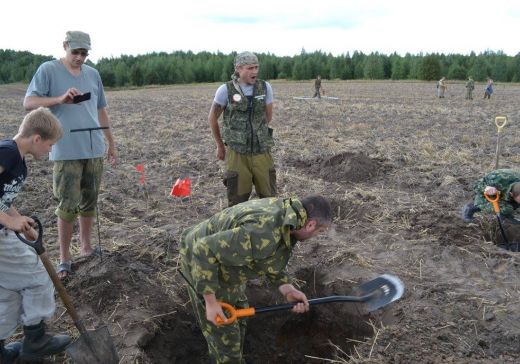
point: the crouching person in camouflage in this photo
(505, 181)
(246, 141)
(246, 241)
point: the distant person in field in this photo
(244, 242)
(470, 86)
(442, 87)
(78, 156)
(489, 89)
(26, 290)
(246, 139)
(506, 182)
(317, 87)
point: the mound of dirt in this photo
(342, 167)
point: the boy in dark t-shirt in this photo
(26, 291)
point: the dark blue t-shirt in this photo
(14, 174)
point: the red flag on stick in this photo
(140, 168)
(181, 188)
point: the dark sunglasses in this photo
(75, 52)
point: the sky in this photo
(280, 27)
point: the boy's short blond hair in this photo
(41, 122)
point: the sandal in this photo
(64, 267)
(96, 252)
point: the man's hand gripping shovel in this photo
(374, 294)
(92, 346)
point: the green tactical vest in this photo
(245, 128)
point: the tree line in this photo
(188, 67)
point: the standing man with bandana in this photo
(246, 139)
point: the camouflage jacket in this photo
(317, 83)
(470, 85)
(502, 180)
(245, 128)
(242, 242)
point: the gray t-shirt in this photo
(221, 96)
(52, 79)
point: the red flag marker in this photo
(140, 168)
(181, 188)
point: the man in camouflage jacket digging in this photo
(243, 242)
(246, 141)
(507, 182)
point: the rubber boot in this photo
(37, 344)
(468, 211)
(9, 353)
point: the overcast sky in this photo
(276, 26)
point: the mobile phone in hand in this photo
(80, 98)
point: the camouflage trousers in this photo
(76, 186)
(245, 170)
(317, 92)
(469, 94)
(226, 342)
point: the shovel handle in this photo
(500, 122)
(62, 292)
(40, 250)
(234, 313)
(494, 201)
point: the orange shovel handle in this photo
(234, 313)
(494, 201)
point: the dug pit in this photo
(329, 330)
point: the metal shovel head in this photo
(94, 347)
(381, 291)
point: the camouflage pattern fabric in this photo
(245, 128)
(470, 86)
(220, 254)
(76, 186)
(502, 180)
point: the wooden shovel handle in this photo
(500, 122)
(67, 302)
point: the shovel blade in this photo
(94, 347)
(381, 291)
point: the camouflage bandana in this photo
(246, 58)
(296, 215)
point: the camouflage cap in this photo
(245, 58)
(77, 40)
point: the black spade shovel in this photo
(92, 346)
(374, 294)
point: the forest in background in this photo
(187, 67)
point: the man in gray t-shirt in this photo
(74, 93)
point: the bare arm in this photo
(34, 102)
(269, 113)
(104, 121)
(214, 113)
